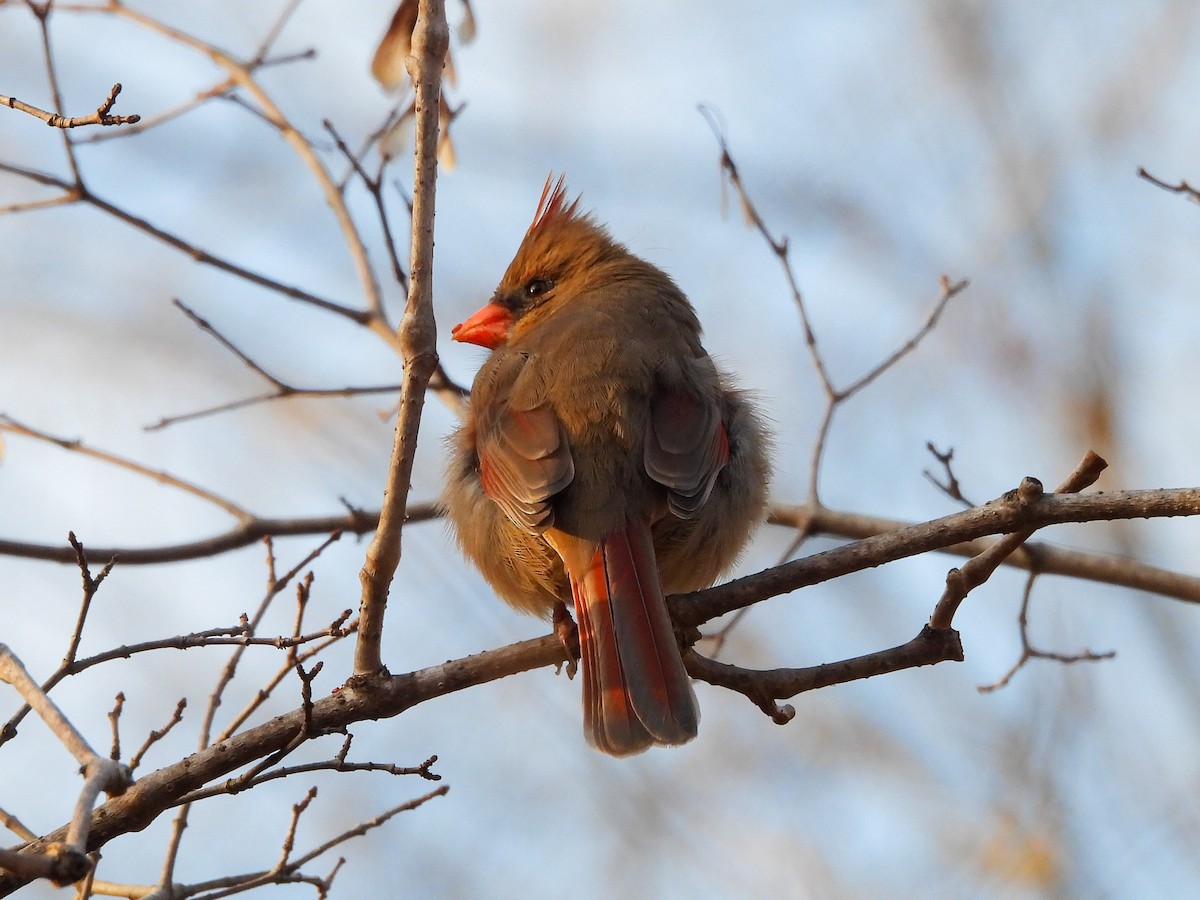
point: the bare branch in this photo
(360, 830)
(834, 396)
(114, 717)
(951, 488)
(100, 117)
(100, 775)
(239, 636)
(243, 74)
(336, 633)
(273, 33)
(250, 532)
(374, 186)
(961, 582)
(16, 826)
(948, 292)
(418, 337)
(1048, 559)
(78, 193)
(763, 687)
(90, 586)
(289, 840)
(289, 873)
(1000, 516)
(56, 862)
(148, 122)
(158, 734)
(424, 770)
(75, 445)
(1182, 188)
(282, 390)
(1028, 651)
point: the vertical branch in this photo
(42, 12)
(417, 336)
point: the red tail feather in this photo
(636, 692)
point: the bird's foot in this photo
(567, 633)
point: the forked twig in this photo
(102, 115)
(1028, 651)
(960, 582)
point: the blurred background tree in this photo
(892, 144)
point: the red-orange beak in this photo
(488, 328)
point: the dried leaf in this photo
(466, 28)
(388, 64)
(447, 158)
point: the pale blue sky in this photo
(893, 143)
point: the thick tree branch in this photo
(1046, 558)
(998, 517)
(379, 699)
(243, 535)
(387, 697)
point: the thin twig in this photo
(1028, 651)
(168, 115)
(114, 718)
(158, 734)
(101, 116)
(42, 13)
(75, 445)
(764, 687)
(948, 292)
(835, 397)
(90, 586)
(374, 186)
(329, 765)
(63, 200)
(234, 636)
(273, 33)
(336, 633)
(1181, 188)
(997, 517)
(78, 193)
(244, 75)
(100, 775)
(289, 873)
(16, 826)
(951, 488)
(282, 390)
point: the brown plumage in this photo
(605, 459)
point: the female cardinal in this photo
(605, 455)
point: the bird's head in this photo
(565, 252)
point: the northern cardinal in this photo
(604, 457)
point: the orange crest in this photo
(553, 205)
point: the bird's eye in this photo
(535, 287)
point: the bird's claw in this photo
(567, 633)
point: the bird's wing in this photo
(686, 445)
(524, 460)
